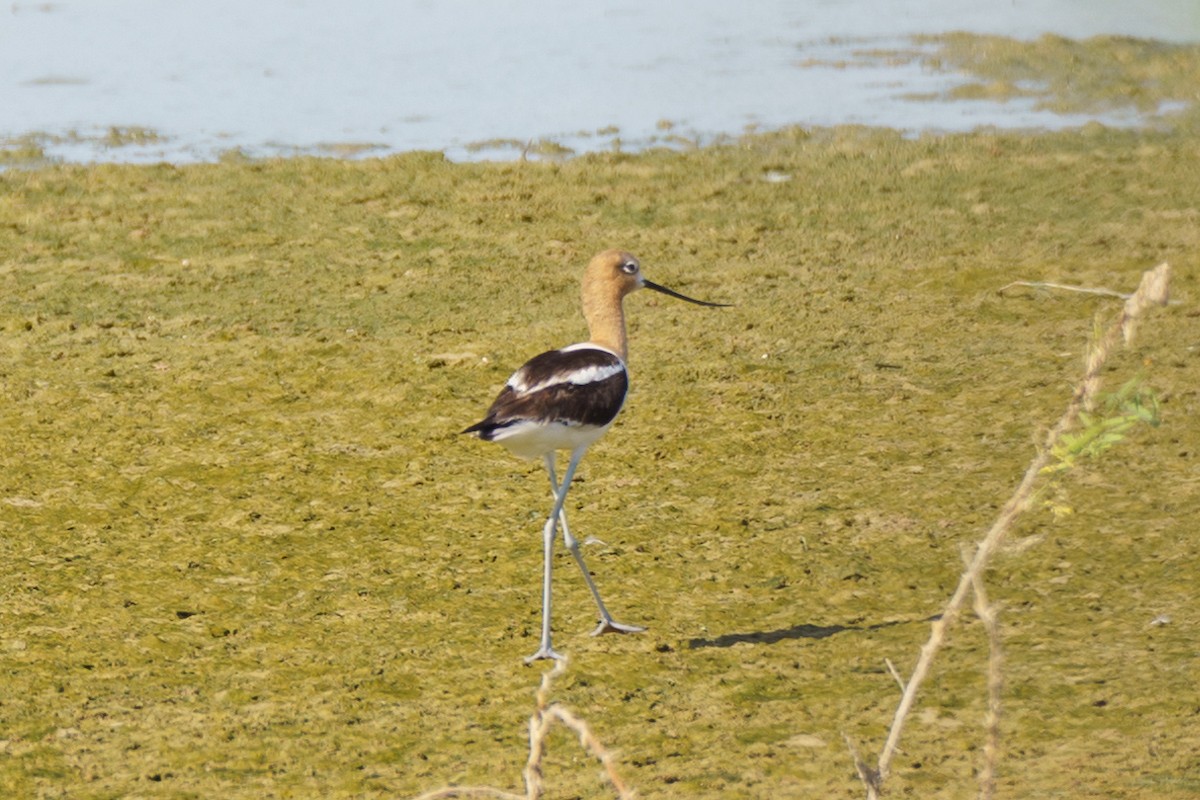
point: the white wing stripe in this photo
(579, 377)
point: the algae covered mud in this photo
(247, 554)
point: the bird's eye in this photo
(629, 267)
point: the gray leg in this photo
(607, 623)
(560, 497)
(545, 650)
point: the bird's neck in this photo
(606, 326)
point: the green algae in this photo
(1096, 75)
(246, 552)
(24, 151)
(1116, 77)
(29, 150)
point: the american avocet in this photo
(565, 400)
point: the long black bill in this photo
(673, 293)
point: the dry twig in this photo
(544, 716)
(995, 687)
(539, 727)
(866, 774)
(1063, 287)
(469, 791)
(1151, 291)
(895, 673)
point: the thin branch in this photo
(895, 673)
(469, 791)
(995, 687)
(592, 744)
(1151, 291)
(1063, 287)
(540, 722)
(869, 777)
(539, 726)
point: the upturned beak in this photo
(673, 293)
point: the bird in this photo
(568, 398)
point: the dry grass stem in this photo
(866, 774)
(995, 686)
(1063, 287)
(540, 723)
(1152, 290)
(539, 727)
(895, 673)
(470, 791)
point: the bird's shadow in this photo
(802, 631)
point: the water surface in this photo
(144, 80)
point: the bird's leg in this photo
(545, 650)
(562, 514)
(607, 623)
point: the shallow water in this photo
(140, 80)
